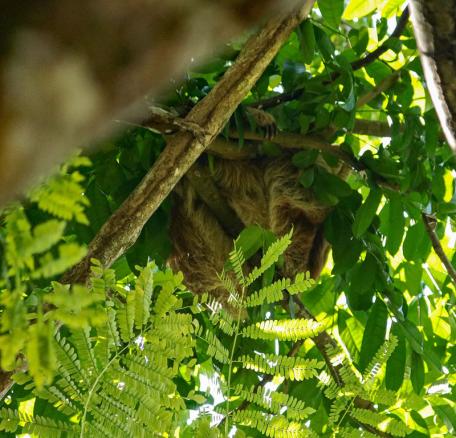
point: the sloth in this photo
(261, 191)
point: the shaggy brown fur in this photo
(264, 192)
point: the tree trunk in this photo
(434, 23)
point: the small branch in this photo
(371, 57)
(384, 85)
(429, 223)
(374, 128)
(298, 141)
(230, 150)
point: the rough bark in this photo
(434, 23)
(67, 68)
(183, 148)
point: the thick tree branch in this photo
(211, 114)
(434, 24)
(356, 65)
(429, 223)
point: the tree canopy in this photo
(99, 337)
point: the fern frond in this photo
(382, 396)
(224, 321)
(328, 384)
(63, 196)
(229, 285)
(237, 260)
(381, 422)
(350, 432)
(380, 358)
(126, 317)
(275, 402)
(292, 368)
(338, 406)
(273, 253)
(276, 426)
(268, 294)
(215, 348)
(144, 287)
(83, 345)
(36, 425)
(284, 330)
(302, 283)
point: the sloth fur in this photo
(263, 191)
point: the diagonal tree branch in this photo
(429, 223)
(124, 226)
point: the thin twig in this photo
(429, 223)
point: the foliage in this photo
(384, 294)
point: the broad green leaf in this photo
(366, 213)
(396, 223)
(417, 243)
(328, 183)
(304, 159)
(395, 367)
(360, 291)
(413, 335)
(250, 240)
(417, 372)
(390, 7)
(324, 44)
(446, 413)
(307, 41)
(351, 332)
(413, 273)
(360, 8)
(331, 10)
(307, 177)
(374, 334)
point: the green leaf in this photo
(324, 44)
(417, 372)
(366, 213)
(417, 243)
(250, 240)
(360, 291)
(396, 224)
(328, 183)
(413, 273)
(360, 8)
(304, 159)
(413, 335)
(331, 10)
(374, 334)
(307, 42)
(390, 7)
(307, 177)
(395, 367)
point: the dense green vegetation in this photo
(367, 349)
